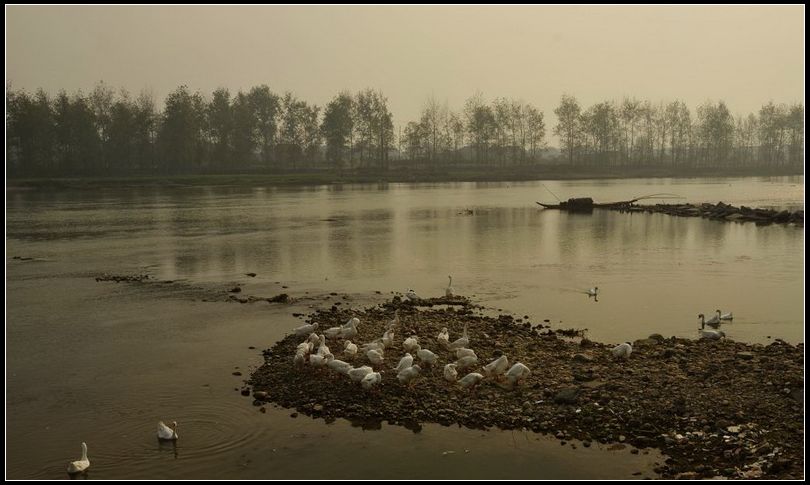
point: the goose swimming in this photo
(81, 465)
(726, 316)
(449, 292)
(593, 291)
(709, 334)
(166, 433)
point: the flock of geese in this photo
(164, 433)
(315, 352)
(715, 321)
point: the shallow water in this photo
(103, 362)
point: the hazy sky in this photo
(744, 55)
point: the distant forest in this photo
(109, 133)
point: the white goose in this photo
(318, 360)
(166, 433)
(370, 380)
(305, 329)
(404, 363)
(375, 357)
(709, 334)
(388, 338)
(426, 356)
(712, 321)
(466, 362)
(497, 366)
(338, 366)
(450, 373)
(470, 380)
(314, 340)
(406, 376)
(353, 322)
(412, 295)
(517, 372)
(358, 373)
(622, 351)
(333, 332)
(593, 291)
(81, 465)
(450, 292)
(375, 345)
(349, 348)
(463, 341)
(726, 316)
(349, 330)
(464, 353)
(444, 338)
(411, 343)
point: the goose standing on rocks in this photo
(622, 351)
(81, 465)
(461, 342)
(349, 348)
(407, 376)
(517, 372)
(370, 380)
(470, 380)
(450, 373)
(497, 366)
(426, 356)
(404, 363)
(412, 295)
(450, 292)
(338, 366)
(305, 329)
(411, 343)
(444, 338)
(375, 357)
(166, 433)
(358, 373)
(388, 338)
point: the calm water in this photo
(103, 362)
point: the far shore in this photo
(524, 174)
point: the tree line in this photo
(636, 133)
(110, 133)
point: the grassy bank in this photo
(393, 176)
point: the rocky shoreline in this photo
(716, 408)
(722, 212)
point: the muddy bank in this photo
(721, 211)
(185, 290)
(716, 408)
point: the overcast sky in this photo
(744, 55)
